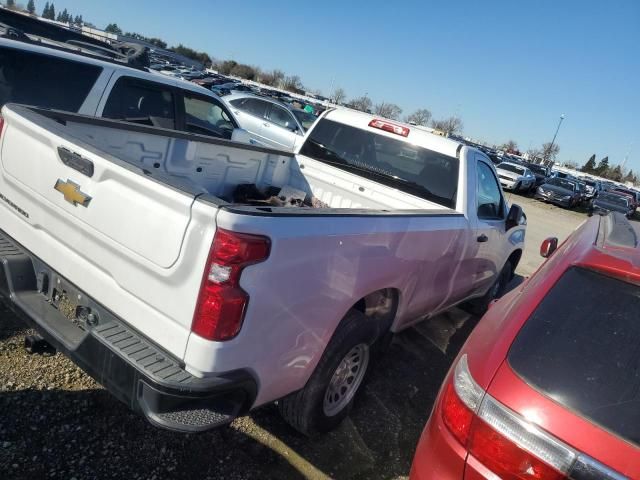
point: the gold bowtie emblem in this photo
(72, 193)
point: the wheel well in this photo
(380, 305)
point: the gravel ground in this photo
(58, 423)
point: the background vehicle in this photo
(581, 188)
(201, 302)
(545, 386)
(45, 77)
(559, 191)
(610, 202)
(272, 123)
(231, 87)
(594, 187)
(515, 177)
(627, 193)
(541, 173)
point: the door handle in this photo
(483, 238)
(236, 112)
(265, 124)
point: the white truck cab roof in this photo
(394, 129)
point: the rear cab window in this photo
(44, 81)
(581, 348)
(402, 165)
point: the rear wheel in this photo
(480, 305)
(328, 396)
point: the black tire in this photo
(304, 410)
(479, 306)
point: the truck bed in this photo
(204, 166)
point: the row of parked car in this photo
(565, 190)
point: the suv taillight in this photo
(503, 441)
(221, 302)
(1, 125)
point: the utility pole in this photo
(554, 137)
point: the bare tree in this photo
(338, 96)
(419, 117)
(388, 110)
(449, 126)
(364, 103)
(550, 152)
(293, 84)
(273, 78)
(534, 155)
(509, 147)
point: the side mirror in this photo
(514, 217)
(548, 246)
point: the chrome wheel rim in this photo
(346, 379)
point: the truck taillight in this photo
(499, 438)
(390, 127)
(221, 302)
(1, 125)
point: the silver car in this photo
(515, 177)
(271, 123)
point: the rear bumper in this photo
(137, 372)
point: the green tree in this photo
(113, 28)
(45, 11)
(201, 57)
(52, 12)
(31, 7)
(630, 177)
(590, 165)
(11, 4)
(615, 173)
(245, 71)
(602, 170)
(419, 117)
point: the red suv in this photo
(548, 384)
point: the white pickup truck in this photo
(127, 247)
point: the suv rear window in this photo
(139, 101)
(581, 348)
(44, 81)
(402, 165)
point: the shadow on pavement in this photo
(65, 433)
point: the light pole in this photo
(555, 135)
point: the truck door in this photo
(490, 211)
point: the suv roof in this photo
(146, 74)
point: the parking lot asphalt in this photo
(543, 220)
(56, 422)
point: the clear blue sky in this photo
(508, 68)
